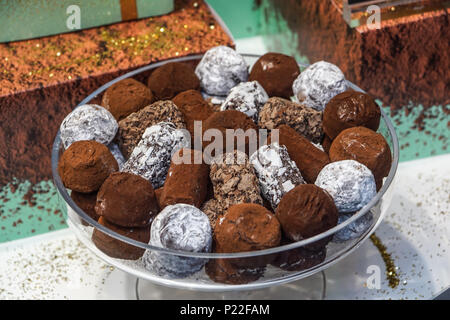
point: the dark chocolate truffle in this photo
(350, 109)
(125, 97)
(276, 73)
(172, 78)
(365, 146)
(326, 143)
(223, 271)
(306, 211)
(86, 202)
(119, 249)
(85, 165)
(127, 200)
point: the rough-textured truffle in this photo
(355, 229)
(86, 202)
(223, 271)
(299, 258)
(125, 97)
(172, 78)
(276, 72)
(85, 165)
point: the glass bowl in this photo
(244, 270)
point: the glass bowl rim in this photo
(212, 255)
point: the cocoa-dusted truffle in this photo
(86, 202)
(276, 72)
(172, 78)
(299, 258)
(187, 179)
(350, 109)
(132, 127)
(85, 165)
(326, 143)
(306, 211)
(119, 249)
(308, 158)
(306, 121)
(125, 97)
(158, 193)
(365, 146)
(127, 200)
(223, 271)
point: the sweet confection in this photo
(220, 69)
(354, 229)
(132, 127)
(318, 83)
(178, 227)
(299, 258)
(119, 249)
(276, 72)
(127, 200)
(247, 97)
(277, 173)
(115, 151)
(125, 97)
(365, 146)
(86, 202)
(350, 109)
(88, 122)
(350, 184)
(213, 211)
(234, 181)
(231, 119)
(85, 165)
(187, 179)
(172, 78)
(223, 271)
(309, 158)
(326, 144)
(158, 193)
(151, 157)
(306, 211)
(306, 121)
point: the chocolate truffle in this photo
(151, 157)
(85, 165)
(86, 202)
(158, 193)
(355, 229)
(223, 271)
(179, 227)
(306, 211)
(220, 69)
(298, 259)
(326, 143)
(350, 109)
(306, 121)
(187, 179)
(365, 146)
(234, 120)
(350, 184)
(308, 158)
(115, 151)
(127, 200)
(247, 97)
(132, 127)
(213, 211)
(125, 97)
(277, 173)
(276, 72)
(88, 122)
(234, 180)
(119, 249)
(172, 78)
(318, 83)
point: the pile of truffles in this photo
(138, 165)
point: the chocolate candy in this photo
(350, 184)
(306, 121)
(125, 97)
(151, 157)
(127, 200)
(276, 72)
(220, 69)
(115, 151)
(318, 83)
(179, 227)
(85, 165)
(86, 202)
(223, 271)
(365, 146)
(355, 229)
(350, 109)
(213, 211)
(247, 97)
(299, 258)
(88, 122)
(277, 173)
(132, 127)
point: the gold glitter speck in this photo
(391, 272)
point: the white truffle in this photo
(355, 229)
(88, 122)
(318, 84)
(350, 184)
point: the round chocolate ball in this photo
(276, 73)
(172, 78)
(127, 200)
(86, 202)
(350, 109)
(224, 271)
(85, 165)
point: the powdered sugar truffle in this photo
(355, 229)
